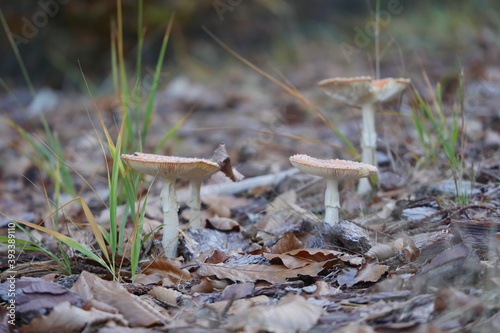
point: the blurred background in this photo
(323, 38)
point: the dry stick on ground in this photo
(244, 185)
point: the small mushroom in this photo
(366, 93)
(171, 168)
(332, 171)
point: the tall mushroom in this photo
(171, 168)
(332, 171)
(366, 93)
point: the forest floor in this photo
(418, 254)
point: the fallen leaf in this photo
(346, 276)
(223, 224)
(221, 157)
(287, 260)
(216, 257)
(253, 272)
(315, 254)
(36, 296)
(239, 304)
(292, 314)
(381, 252)
(166, 295)
(111, 293)
(237, 291)
(324, 289)
(370, 272)
(68, 318)
(205, 286)
(287, 243)
(168, 268)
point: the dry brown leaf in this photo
(205, 286)
(315, 254)
(154, 278)
(302, 257)
(68, 318)
(134, 310)
(168, 296)
(370, 272)
(381, 252)
(353, 260)
(168, 268)
(216, 257)
(237, 290)
(221, 157)
(253, 272)
(292, 314)
(324, 289)
(223, 223)
(287, 260)
(287, 243)
(410, 251)
(239, 304)
(38, 295)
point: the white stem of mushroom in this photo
(194, 203)
(368, 144)
(170, 208)
(332, 201)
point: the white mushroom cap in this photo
(351, 91)
(361, 90)
(171, 166)
(388, 89)
(337, 169)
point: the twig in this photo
(244, 185)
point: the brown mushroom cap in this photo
(171, 166)
(337, 169)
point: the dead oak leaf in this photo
(302, 257)
(168, 296)
(287, 243)
(65, 317)
(111, 294)
(287, 260)
(223, 224)
(222, 158)
(315, 254)
(167, 268)
(370, 272)
(255, 272)
(292, 314)
(35, 295)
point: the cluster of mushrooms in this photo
(363, 92)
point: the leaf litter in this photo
(413, 261)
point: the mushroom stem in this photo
(369, 134)
(170, 208)
(368, 144)
(332, 202)
(194, 203)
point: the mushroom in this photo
(332, 171)
(364, 92)
(171, 168)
